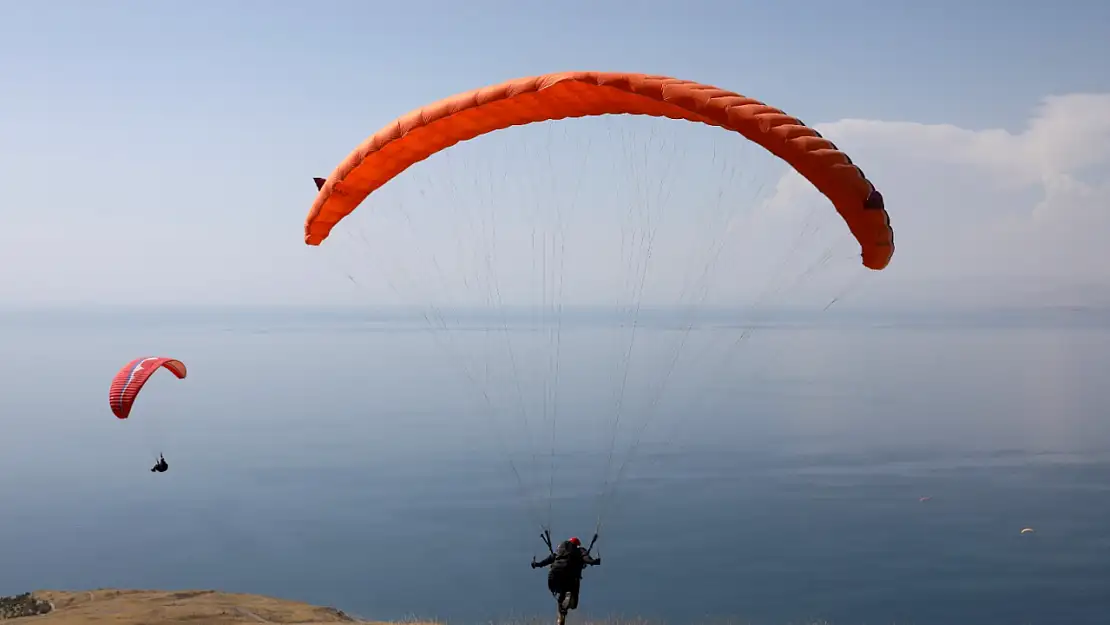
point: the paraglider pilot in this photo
(161, 465)
(565, 574)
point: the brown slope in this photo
(158, 607)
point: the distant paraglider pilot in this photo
(565, 575)
(130, 379)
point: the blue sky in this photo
(162, 151)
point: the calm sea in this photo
(860, 470)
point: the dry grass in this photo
(210, 607)
(197, 607)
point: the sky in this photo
(162, 153)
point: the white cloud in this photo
(1009, 215)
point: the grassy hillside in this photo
(156, 607)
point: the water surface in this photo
(342, 459)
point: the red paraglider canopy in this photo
(131, 378)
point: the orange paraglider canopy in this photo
(425, 131)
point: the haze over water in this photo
(336, 459)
